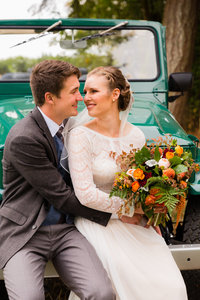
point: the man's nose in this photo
(79, 97)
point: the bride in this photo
(136, 258)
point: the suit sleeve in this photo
(30, 158)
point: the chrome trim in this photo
(187, 256)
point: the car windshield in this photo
(131, 50)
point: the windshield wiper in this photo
(43, 33)
(81, 43)
(102, 33)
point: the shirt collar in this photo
(53, 126)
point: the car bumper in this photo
(187, 256)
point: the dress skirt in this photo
(137, 260)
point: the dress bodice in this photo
(91, 166)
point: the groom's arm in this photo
(30, 159)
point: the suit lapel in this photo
(43, 126)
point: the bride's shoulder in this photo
(78, 130)
(135, 131)
(81, 132)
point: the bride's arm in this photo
(80, 155)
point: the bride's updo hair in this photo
(115, 79)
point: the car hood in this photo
(156, 121)
(153, 118)
(11, 111)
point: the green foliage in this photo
(16, 64)
(187, 156)
(123, 194)
(117, 9)
(194, 99)
(142, 156)
(180, 169)
(155, 180)
(157, 154)
(175, 161)
(23, 64)
(142, 10)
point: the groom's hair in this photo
(49, 76)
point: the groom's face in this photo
(67, 103)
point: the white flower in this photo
(151, 163)
(146, 189)
(130, 172)
(164, 162)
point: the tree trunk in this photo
(180, 18)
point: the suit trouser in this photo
(74, 259)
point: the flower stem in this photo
(156, 222)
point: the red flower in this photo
(144, 181)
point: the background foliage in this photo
(157, 10)
(154, 11)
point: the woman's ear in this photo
(115, 94)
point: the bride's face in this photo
(98, 97)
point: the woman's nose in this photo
(85, 97)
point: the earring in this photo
(113, 100)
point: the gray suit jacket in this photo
(31, 184)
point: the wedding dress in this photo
(136, 259)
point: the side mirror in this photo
(179, 82)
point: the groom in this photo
(36, 215)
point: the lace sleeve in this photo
(80, 155)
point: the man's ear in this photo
(49, 98)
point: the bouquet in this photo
(154, 177)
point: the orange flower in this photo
(150, 199)
(169, 173)
(179, 150)
(183, 184)
(154, 191)
(169, 155)
(181, 175)
(135, 186)
(138, 174)
(180, 207)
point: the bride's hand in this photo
(135, 219)
(138, 210)
(156, 228)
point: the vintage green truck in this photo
(138, 49)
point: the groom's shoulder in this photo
(24, 127)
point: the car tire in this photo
(191, 226)
(191, 235)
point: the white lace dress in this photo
(137, 259)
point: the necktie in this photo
(59, 134)
(59, 143)
(55, 217)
